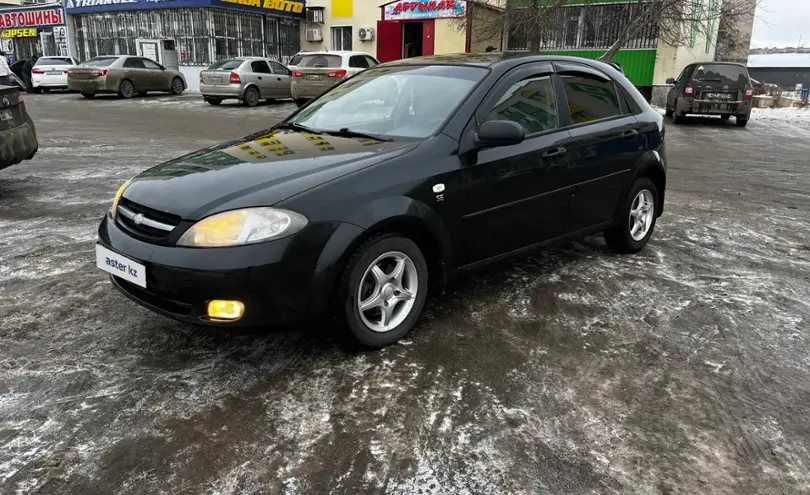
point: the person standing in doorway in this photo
(5, 70)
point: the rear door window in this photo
(279, 69)
(260, 67)
(149, 64)
(133, 63)
(320, 61)
(590, 98)
(358, 62)
(721, 73)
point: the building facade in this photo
(201, 31)
(734, 32)
(33, 30)
(589, 30)
(397, 29)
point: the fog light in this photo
(225, 310)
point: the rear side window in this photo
(133, 63)
(100, 62)
(260, 67)
(726, 74)
(590, 98)
(358, 61)
(316, 61)
(371, 61)
(227, 64)
(54, 61)
(531, 103)
(296, 59)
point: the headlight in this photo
(117, 198)
(239, 227)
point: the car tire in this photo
(126, 89)
(678, 118)
(300, 102)
(88, 95)
(638, 210)
(214, 101)
(725, 117)
(37, 91)
(177, 86)
(251, 97)
(742, 121)
(46, 90)
(668, 112)
(383, 289)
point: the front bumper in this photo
(221, 90)
(17, 144)
(274, 279)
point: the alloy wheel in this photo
(642, 211)
(177, 86)
(387, 291)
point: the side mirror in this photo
(671, 81)
(494, 133)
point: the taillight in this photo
(37, 71)
(749, 92)
(99, 72)
(688, 90)
(297, 74)
(337, 73)
(69, 74)
(20, 100)
(235, 79)
(201, 81)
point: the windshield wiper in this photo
(296, 127)
(346, 132)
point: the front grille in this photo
(158, 300)
(148, 222)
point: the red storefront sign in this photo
(32, 18)
(424, 6)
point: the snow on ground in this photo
(797, 115)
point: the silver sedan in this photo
(249, 79)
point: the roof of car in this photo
(335, 52)
(717, 63)
(491, 59)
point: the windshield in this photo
(313, 61)
(409, 101)
(54, 61)
(99, 62)
(227, 64)
(727, 74)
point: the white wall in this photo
(192, 75)
(365, 13)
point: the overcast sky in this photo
(780, 23)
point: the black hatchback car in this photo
(381, 190)
(18, 136)
(711, 88)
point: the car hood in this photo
(259, 170)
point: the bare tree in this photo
(536, 25)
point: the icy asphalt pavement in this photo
(684, 369)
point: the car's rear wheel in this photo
(742, 121)
(300, 102)
(214, 101)
(88, 95)
(668, 112)
(46, 90)
(637, 216)
(126, 89)
(251, 97)
(37, 91)
(177, 86)
(383, 290)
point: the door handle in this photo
(260, 78)
(553, 153)
(632, 134)
(278, 79)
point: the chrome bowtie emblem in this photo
(138, 219)
(6, 102)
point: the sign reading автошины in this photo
(32, 18)
(433, 9)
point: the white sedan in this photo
(51, 73)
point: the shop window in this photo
(282, 38)
(590, 98)
(531, 103)
(341, 38)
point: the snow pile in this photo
(783, 115)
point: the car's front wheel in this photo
(383, 290)
(177, 86)
(637, 216)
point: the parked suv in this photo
(318, 71)
(711, 88)
(18, 137)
